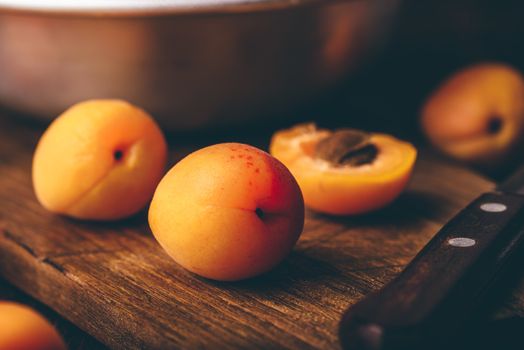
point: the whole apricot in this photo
(227, 212)
(22, 328)
(100, 159)
(477, 115)
(346, 171)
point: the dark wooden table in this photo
(115, 282)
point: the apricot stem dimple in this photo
(118, 155)
(494, 125)
(347, 147)
(259, 213)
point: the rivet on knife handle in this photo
(439, 289)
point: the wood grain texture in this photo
(114, 281)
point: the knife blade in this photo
(438, 291)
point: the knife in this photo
(437, 292)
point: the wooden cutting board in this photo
(114, 281)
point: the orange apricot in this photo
(477, 115)
(22, 328)
(227, 212)
(100, 159)
(347, 171)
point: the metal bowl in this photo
(189, 62)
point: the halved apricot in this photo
(345, 171)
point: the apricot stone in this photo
(100, 159)
(227, 212)
(22, 328)
(477, 115)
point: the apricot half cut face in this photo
(347, 171)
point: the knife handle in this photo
(437, 291)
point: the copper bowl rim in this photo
(144, 8)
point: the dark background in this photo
(429, 41)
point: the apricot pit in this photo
(346, 147)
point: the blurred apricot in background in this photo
(477, 115)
